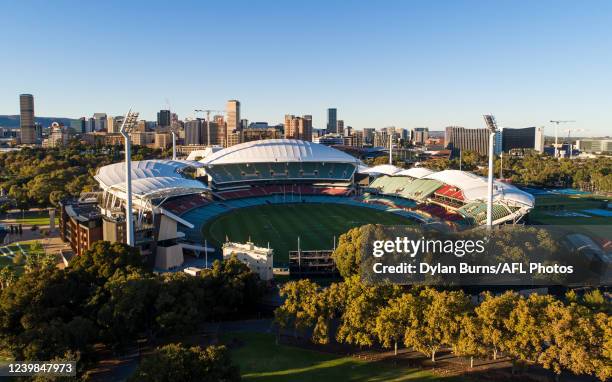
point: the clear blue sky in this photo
(381, 63)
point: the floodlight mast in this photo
(492, 126)
(126, 127)
(173, 131)
(557, 135)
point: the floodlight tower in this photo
(557, 135)
(126, 127)
(492, 126)
(173, 130)
(208, 111)
(391, 148)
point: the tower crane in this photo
(569, 142)
(557, 123)
(208, 111)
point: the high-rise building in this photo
(298, 127)
(368, 136)
(460, 138)
(163, 140)
(340, 127)
(233, 116)
(594, 146)
(111, 127)
(244, 124)
(164, 118)
(193, 132)
(221, 131)
(332, 123)
(527, 138)
(79, 125)
(26, 120)
(419, 135)
(100, 121)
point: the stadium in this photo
(288, 193)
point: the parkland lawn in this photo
(281, 225)
(260, 359)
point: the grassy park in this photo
(261, 359)
(280, 225)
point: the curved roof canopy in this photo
(386, 169)
(150, 179)
(415, 172)
(475, 187)
(278, 150)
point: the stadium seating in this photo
(477, 212)
(183, 204)
(233, 173)
(420, 189)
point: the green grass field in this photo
(39, 218)
(548, 213)
(260, 359)
(280, 225)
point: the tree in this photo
(392, 320)
(492, 314)
(298, 307)
(361, 306)
(569, 334)
(525, 325)
(470, 340)
(175, 362)
(7, 277)
(349, 252)
(435, 320)
(128, 308)
(104, 258)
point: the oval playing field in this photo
(280, 225)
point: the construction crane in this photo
(569, 142)
(208, 111)
(557, 123)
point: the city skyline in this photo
(401, 64)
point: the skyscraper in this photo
(233, 116)
(340, 127)
(26, 120)
(193, 132)
(100, 121)
(163, 118)
(332, 121)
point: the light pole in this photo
(126, 127)
(492, 126)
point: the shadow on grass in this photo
(260, 359)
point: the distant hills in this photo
(13, 121)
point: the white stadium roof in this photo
(204, 153)
(278, 150)
(415, 172)
(386, 169)
(150, 179)
(474, 187)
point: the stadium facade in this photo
(172, 200)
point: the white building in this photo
(258, 259)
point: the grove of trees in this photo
(535, 169)
(40, 177)
(572, 335)
(175, 362)
(108, 297)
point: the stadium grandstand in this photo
(462, 195)
(275, 161)
(174, 200)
